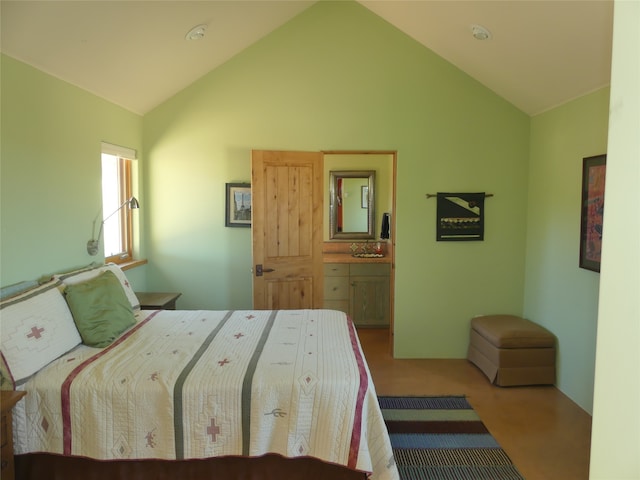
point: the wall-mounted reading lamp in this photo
(94, 243)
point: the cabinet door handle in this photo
(260, 270)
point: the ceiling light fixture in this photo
(480, 33)
(196, 33)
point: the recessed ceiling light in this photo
(196, 33)
(480, 33)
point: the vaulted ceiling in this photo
(541, 53)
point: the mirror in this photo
(352, 204)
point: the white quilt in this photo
(197, 384)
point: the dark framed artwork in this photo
(593, 177)
(238, 205)
(460, 217)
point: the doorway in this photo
(290, 224)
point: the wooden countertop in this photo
(348, 258)
(341, 252)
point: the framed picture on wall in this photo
(593, 176)
(460, 217)
(238, 205)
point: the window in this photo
(116, 191)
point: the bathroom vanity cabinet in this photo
(361, 290)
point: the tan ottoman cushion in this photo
(509, 331)
(512, 351)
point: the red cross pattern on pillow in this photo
(36, 332)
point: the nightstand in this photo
(157, 300)
(9, 399)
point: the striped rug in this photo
(443, 438)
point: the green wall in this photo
(51, 172)
(364, 86)
(615, 438)
(558, 294)
(337, 77)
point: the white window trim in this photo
(119, 151)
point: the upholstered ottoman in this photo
(512, 351)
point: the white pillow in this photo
(37, 327)
(89, 273)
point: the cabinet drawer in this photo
(370, 269)
(336, 288)
(336, 269)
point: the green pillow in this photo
(100, 309)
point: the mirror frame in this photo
(334, 175)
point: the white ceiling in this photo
(133, 53)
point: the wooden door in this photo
(286, 223)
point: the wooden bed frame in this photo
(233, 458)
(38, 466)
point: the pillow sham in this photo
(93, 271)
(37, 328)
(100, 309)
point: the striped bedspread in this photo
(197, 384)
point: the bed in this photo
(189, 394)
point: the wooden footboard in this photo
(267, 467)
